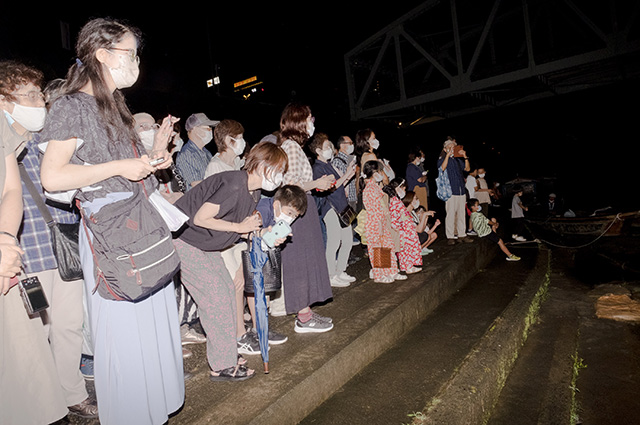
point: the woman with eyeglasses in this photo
(94, 151)
(305, 280)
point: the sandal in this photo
(413, 269)
(241, 360)
(232, 374)
(385, 279)
(400, 276)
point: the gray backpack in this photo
(132, 248)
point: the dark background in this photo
(585, 141)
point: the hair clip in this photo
(79, 63)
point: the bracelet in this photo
(2, 232)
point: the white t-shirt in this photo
(471, 186)
(217, 165)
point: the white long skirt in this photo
(138, 364)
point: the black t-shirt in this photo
(227, 189)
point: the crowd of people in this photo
(88, 156)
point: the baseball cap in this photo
(198, 120)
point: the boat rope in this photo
(616, 218)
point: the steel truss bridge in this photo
(447, 58)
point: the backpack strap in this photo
(100, 275)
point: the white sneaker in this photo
(336, 282)
(347, 278)
(426, 251)
(520, 239)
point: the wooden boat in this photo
(596, 225)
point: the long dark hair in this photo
(293, 123)
(361, 144)
(102, 33)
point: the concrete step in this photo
(541, 386)
(400, 383)
(369, 319)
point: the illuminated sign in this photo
(245, 82)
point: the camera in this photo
(33, 295)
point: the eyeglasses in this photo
(133, 55)
(147, 126)
(33, 95)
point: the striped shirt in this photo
(192, 162)
(480, 224)
(35, 236)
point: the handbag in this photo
(132, 248)
(271, 271)
(64, 236)
(346, 216)
(443, 186)
(381, 258)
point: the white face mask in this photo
(311, 128)
(375, 143)
(30, 117)
(238, 146)
(422, 159)
(377, 177)
(327, 154)
(284, 217)
(481, 175)
(479, 208)
(415, 203)
(269, 185)
(126, 74)
(206, 135)
(147, 137)
(349, 149)
(400, 193)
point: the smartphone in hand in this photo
(278, 231)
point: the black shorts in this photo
(493, 237)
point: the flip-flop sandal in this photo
(232, 374)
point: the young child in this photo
(487, 228)
(287, 203)
(426, 234)
(517, 214)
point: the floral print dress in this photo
(378, 227)
(410, 252)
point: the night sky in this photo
(297, 49)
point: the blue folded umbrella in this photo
(258, 260)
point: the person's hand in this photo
(136, 169)
(10, 259)
(249, 224)
(462, 153)
(5, 285)
(164, 133)
(325, 182)
(422, 179)
(437, 221)
(351, 170)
